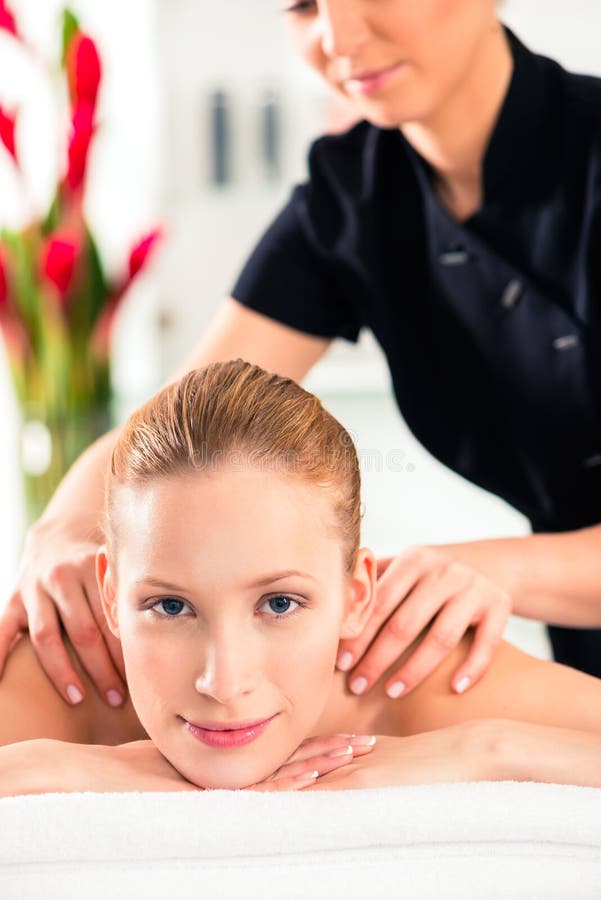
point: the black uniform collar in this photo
(517, 147)
(517, 156)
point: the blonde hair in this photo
(233, 412)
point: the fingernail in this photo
(358, 685)
(114, 697)
(395, 690)
(363, 740)
(344, 751)
(307, 776)
(345, 661)
(462, 684)
(74, 694)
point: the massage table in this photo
(468, 841)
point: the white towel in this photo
(457, 841)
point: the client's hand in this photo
(319, 755)
(412, 589)
(463, 752)
(42, 766)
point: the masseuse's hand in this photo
(412, 589)
(56, 584)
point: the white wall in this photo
(567, 30)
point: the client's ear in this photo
(362, 594)
(106, 587)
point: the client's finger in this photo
(285, 784)
(328, 761)
(315, 746)
(298, 775)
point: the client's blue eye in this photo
(280, 612)
(169, 608)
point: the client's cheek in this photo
(309, 679)
(152, 682)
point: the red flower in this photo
(79, 144)
(7, 20)
(7, 132)
(59, 257)
(105, 324)
(140, 253)
(83, 70)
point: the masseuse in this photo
(460, 221)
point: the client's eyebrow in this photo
(261, 582)
(278, 576)
(157, 582)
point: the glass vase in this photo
(49, 444)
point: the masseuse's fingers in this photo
(13, 622)
(113, 644)
(405, 625)
(83, 630)
(487, 638)
(458, 612)
(396, 577)
(412, 589)
(46, 639)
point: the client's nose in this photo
(227, 669)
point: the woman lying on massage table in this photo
(231, 570)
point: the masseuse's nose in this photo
(229, 667)
(343, 28)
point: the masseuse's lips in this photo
(372, 82)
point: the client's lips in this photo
(228, 726)
(228, 737)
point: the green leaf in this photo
(24, 249)
(70, 29)
(50, 223)
(97, 284)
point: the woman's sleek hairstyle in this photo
(237, 414)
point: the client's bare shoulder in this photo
(515, 686)
(31, 707)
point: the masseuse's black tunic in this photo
(491, 327)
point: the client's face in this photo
(229, 595)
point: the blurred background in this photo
(205, 116)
